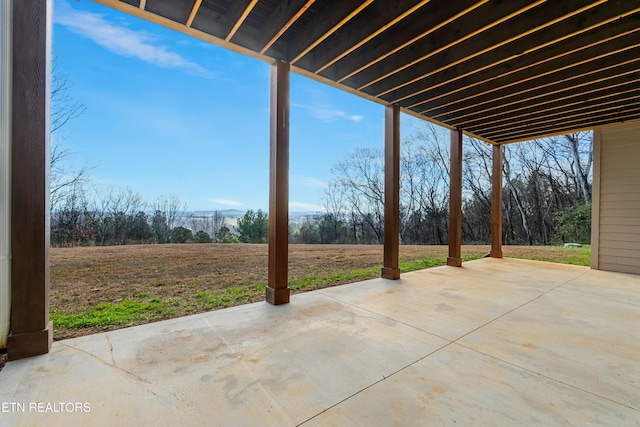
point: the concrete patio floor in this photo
(496, 342)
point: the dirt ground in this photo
(86, 276)
(82, 277)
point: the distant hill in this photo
(236, 213)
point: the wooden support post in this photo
(390, 268)
(31, 330)
(455, 200)
(496, 203)
(277, 287)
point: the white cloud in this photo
(123, 41)
(228, 202)
(328, 113)
(309, 181)
(306, 206)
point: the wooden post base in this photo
(390, 273)
(454, 262)
(30, 344)
(495, 254)
(278, 296)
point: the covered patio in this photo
(493, 341)
(496, 342)
(502, 72)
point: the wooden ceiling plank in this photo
(478, 52)
(327, 17)
(564, 131)
(506, 113)
(588, 122)
(237, 15)
(566, 84)
(616, 99)
(194, 12)
(558, 107)
(521, 61)
(527, 99)
(286, 26)
(513, 63)
(135, 11)
(591, 64)
(386, 20)
(536, 121)
(412, 27)
(430, 30)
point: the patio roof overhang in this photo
(503, 71)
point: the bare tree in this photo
(209, 224)
(64, 182)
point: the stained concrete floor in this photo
(496, 342)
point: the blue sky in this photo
(168, 114)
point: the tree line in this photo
(546, 200)
(546, 193)
(123, 217)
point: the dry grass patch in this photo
(103, 288)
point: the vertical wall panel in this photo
(616, 202)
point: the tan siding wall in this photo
(618, 245)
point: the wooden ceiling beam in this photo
(236, 16)
(589, 99)
(382, 15)
(547, 73)
(584, 123)
(494, 45)
(477, 72)
(385, 53)
(282, 18)
(510, 98)
(420, 24)
(612, 86)
(323, 26)
(532, 121)
(194, 11)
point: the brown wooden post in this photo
(31, 330)
(455, 200)
(390, 268)
(277, 286)
(496, 203)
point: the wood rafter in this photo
(556, 38)
(448, 46)
(245, 11)
(590, 61)
(468, 118)
(372, 35)
(323, 37)
(585, 122)
(193, 13)
(415, 39)
(289, 23)
(583, 112)
(487, 49)
(581, 100)
(588, 79)
(513, 66)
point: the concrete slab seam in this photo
(547, 377)
(384, 378)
